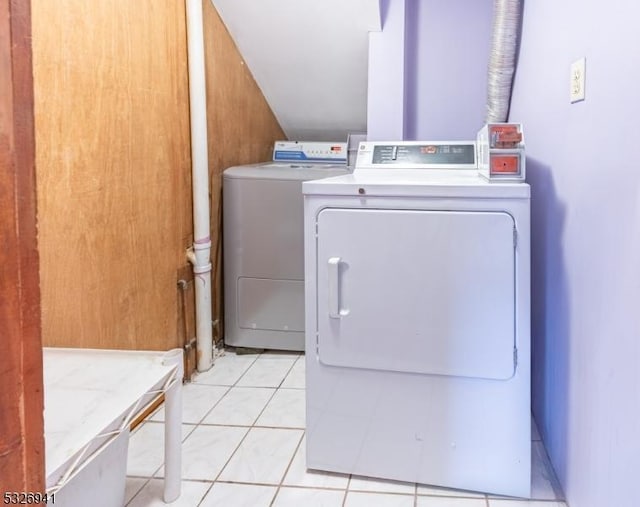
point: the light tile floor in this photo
(243, 445)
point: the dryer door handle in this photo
(333, 272)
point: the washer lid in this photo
(284, 171)
(415, 183)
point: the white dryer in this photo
(263, 243)
(417, 320)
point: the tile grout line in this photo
(288, 372)
(249, 428)
(275, 390)
(292, 486)
(253, 426)
(156, 470)
(286, 471)
(255, 420)
(240, 425)
(214, 405)
(301, 437)
(272, 386)
(148, 479)
(301, 358)
(205, 494)
(346, 491)
(231, 455)
(303, 431)
(201, 423)
(229, 387)
(235, 384)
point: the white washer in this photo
(417, 321)
(263, 251)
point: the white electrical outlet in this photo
(578, 72)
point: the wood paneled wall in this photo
(113, 163)
(21, 397)
(241, 125)
(112, 158)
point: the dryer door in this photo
(429, 292)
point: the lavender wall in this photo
(385, 97)
(585, 175)
(584, 171)
(447, 51)
(428, 69)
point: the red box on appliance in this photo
(501, 152)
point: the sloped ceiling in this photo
(309, 58)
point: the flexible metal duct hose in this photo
(502, 60)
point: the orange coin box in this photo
(500, 149)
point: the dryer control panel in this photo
(417, 155)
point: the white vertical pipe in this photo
(173, 428)
(201, 253)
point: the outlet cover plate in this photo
(577, 83)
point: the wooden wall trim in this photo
(21, 396)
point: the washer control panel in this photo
(310, 152)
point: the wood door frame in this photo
(21, 397)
